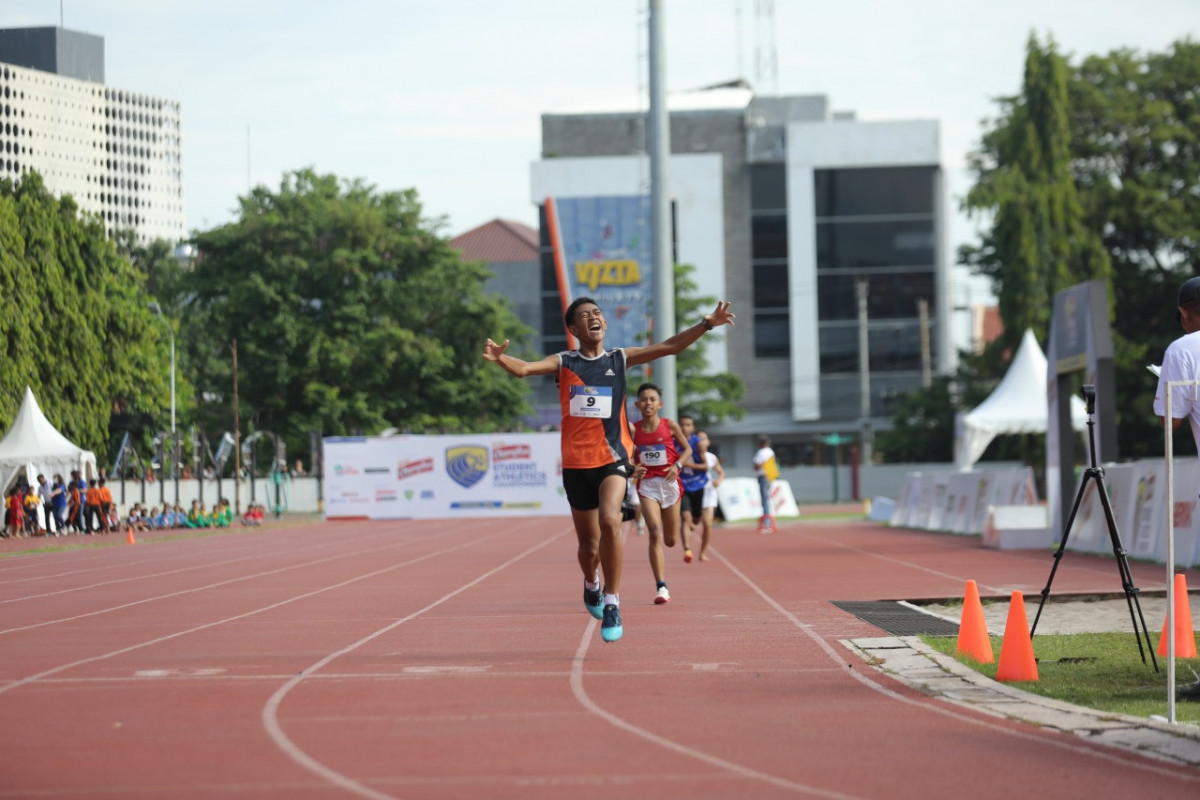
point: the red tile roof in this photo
(987, 326)
(498, 241)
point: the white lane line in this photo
(191, 568)
(270, 712)
(131, 648)
(661, 741)
(947, 711)
(217, 585)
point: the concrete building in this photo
(116, 151)
(511, 251)
(789, 210)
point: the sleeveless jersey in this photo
(693, 479)
(591, 391)
(655, 449)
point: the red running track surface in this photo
(454, 659)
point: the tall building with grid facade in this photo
(791, 211)
(117, 152)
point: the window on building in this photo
(769, 254)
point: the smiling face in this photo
(649, 402)
(589, 324)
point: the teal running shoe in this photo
(610, 629)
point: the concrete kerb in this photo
(919, 666)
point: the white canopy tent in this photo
(1018, 405)
(36, 447)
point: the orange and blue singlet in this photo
(591, 391)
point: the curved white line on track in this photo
(1098, 751)
(92, 659)
(581, 695)
(195, 589)
(737, 769)
(192, 568)
(938, 573)
(270, 712)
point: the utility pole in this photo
(237, 445)
(864, 370)
(926, 359)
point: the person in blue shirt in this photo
(58, 505)
(694, 476)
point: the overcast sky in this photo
(445, 96)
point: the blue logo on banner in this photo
(466, 465)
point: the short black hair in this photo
(646, 386)
(569, 316)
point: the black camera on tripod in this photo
(1089, 397)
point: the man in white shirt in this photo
(1181, 362)
(765, 469)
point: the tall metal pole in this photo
(864, 371)
(237, 447)
(172, 381)
(660, 210)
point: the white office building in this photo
(117, 152)
(791, 211)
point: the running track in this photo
(454, 659)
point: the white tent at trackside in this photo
(34, 446)
(1018, 405)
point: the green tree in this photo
(1134, 160)
(76, 329)
(1136, 136)
(351, 315)
(710, 398)
(1038, 241)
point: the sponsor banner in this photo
(607, 256)
(438, 477)
(960, 501)
(740, 499)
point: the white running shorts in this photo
(666, 492)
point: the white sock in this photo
(612, 600)
(591, 586)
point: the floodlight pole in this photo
(660, 210)
(157, 310)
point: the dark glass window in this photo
(874, 191)
(839, 348)
(894, 347)
(771, 336)
(769, 236)
(889, 295)
(770, 286)
(889, 243)
(768, 187)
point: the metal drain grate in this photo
(897, 619)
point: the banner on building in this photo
(438, 477)
(604, 249)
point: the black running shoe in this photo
(594, 600)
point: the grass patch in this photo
(1095, 670)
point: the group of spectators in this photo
(85, 507)
(173, 516)
(73, 506)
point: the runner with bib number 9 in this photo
(597, 448)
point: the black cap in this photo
(1189, 291)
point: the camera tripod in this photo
(1096, 473)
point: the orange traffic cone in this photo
(973, 639)
(1185, 635)
(1016, 652)
(129, 536)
